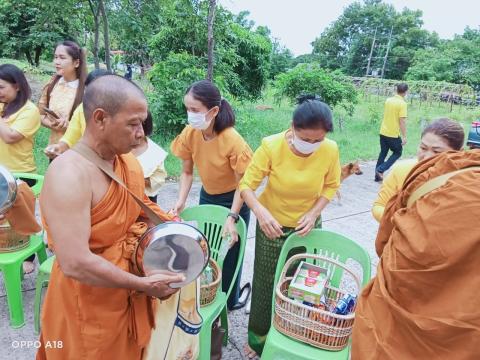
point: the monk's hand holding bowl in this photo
(158, 284)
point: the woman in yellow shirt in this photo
(439, 136)
(77, 124)
(64, 92)
(303, 171)
(19, 121)
(221, 155)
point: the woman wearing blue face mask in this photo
(303, 171)
(221, 156)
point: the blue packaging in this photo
(345, 305)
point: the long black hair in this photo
(13, 75)
(209, 95)
(312, 113)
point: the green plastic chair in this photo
(35, 188)
(43, 278)
(327, 244)
(11, 267)
(210, 220)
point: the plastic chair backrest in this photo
(210, 220)
(35, 188)
(329, 244)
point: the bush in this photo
(170, 79)
(334, 88)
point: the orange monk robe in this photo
(95, 322)
(424, 302)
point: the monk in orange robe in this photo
(424, 302)
(95, 306)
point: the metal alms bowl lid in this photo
(178, 248)
(8, 189)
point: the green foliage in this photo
(28, 27)
(346, 44)
(170, 78)
(133, 24)
(334, 88)
(242, 56)
(281, 59)
(456, 60)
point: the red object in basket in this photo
(310, 281)
(313, 273)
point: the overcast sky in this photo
(298, 22)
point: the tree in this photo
(281, 59)
(211, 43)
(242, 56)
(456, 60)
(346, 44)
(30, 27)
(133, 24)
(333, 87)
(106, 37)
(95, 9)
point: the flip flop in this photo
(241, 304)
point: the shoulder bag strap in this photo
(434, 183)
(104, 165)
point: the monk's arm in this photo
(67, 214)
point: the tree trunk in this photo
(38, 52)
(96, 29)
(29, 56)
(211, 40)
(106, 37)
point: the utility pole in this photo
(371, 51)
(386, 53)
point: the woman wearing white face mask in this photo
(303, 171)
(221, 156)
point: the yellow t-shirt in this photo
(18, 157)
(217, 160)
(395, 108)
(62, 98)
(295, 183)
(76, 127)
(391, 185)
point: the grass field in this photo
(357, 139)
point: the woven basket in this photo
(319, 328)
(10, 240)
(209, 291)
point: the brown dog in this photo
(347, 170)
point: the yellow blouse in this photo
(392, 183)
(18, 157)
(61, 102)
(217, 160)
(75, 128)
(295, 183)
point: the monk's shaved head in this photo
(110, 93)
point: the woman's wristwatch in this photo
(236, 217)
